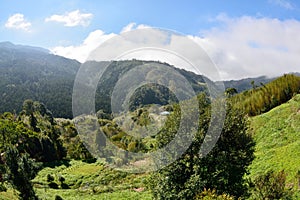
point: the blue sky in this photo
(65, 26)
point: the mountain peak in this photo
(9, 45)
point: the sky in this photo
(243, 38)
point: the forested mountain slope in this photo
(33, 73)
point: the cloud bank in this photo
(240, 47)
(250, 46)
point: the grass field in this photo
(90, 181)
(277, 136)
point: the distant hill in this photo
(147, 94)
(245, 84)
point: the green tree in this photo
(230, 92)
(20, 169)
(222, 169)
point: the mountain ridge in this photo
(28, 72)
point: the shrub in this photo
(212, 195)
(271, 186)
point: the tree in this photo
(20, 169)
(222, 169)
(230, 92)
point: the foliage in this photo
(72, 143)
(144, 95)
(229, 92)
(212, 195)
(264, 98)
(151, 94)
(223, 168)
(33, 73)
(20, 169)
(271, 185)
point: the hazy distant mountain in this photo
(246, 84)
(23, 48)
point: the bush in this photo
(2, 188)
(271, 186)
(212, 195)
(50, 178)
(57, 197)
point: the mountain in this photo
(248, 83)
(245, 84)
(34, 73)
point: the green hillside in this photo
(262, 99)
(34, 73)
(277, 136)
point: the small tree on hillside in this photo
(20, 169)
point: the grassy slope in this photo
(83, 178)
(277, 134)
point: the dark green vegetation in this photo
(145, 95)
(222, 169)
(32, 73)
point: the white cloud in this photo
(71, 19)
(129, 27)
(240, 47)
(249, 46)
(283, 3)
(132, 26)
(82, 51)
(17, 21)
(93, 40)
